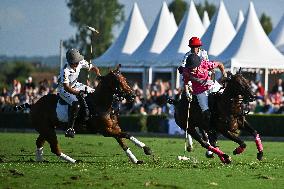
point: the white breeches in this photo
(70, 98)
(203, 97)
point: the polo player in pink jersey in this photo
(196, 70)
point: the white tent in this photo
(156, 40)
(205, 20)
(173, 19)
(251, 48)
(190, 26)
(219, 33)
(277, 35)
(239, 20)
(130, 38)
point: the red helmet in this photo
(194, 42)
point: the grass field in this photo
(105, 165)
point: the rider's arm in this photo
(96, 70)
(70, 89)
(222, 69)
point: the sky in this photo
(35, 27)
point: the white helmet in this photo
(73, 56)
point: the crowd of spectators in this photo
(271, 102)
(151, 103)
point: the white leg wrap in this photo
(131, 156)
(39, 154)
(189, 140)
(208, 151)
(67, 158)
(137, 142)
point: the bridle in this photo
(119, 93)
(242, 95)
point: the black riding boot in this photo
(206, 115)
(73, 113)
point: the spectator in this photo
(260, 89)
(29, 85)
(278, 86)
(16, 88)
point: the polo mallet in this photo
(186, 136)
(93, 30)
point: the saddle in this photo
(62, 109)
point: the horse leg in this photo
(223, 157)
(53, 142)
(236, 139)
(258, 143)
(138, 143)
(127, 150)
(39, 150)
(205, 137)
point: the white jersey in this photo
(202, 54)
(70, 76)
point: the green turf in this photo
(105, 165)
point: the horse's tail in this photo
(22, 107)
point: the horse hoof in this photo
(189, 148)
(139, 162)
(259, 155)
(78, 161)
(226, 159)
(147, 150)
(238, 150)
(209, 154)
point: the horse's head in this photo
(118, 84)
(238, 85)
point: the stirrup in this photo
(70, 133)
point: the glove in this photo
(81, 93)
(180, 69)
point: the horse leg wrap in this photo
(258, 143)
(137, 142)
(239, 150)
(208, 152)
(67, 158)
(131, 156)
(39, 154)
(216, 150)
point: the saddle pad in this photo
(62, 112)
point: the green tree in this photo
(14, 70)
(100, 14)
(266, 23)
(210, 8)
(178, 8)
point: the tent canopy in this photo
(251, 48)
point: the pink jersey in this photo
(201, 74)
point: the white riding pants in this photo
(203, 97)
(70, 98)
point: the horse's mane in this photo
(111, 87)
(238, 85)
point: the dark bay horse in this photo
(228, 116)
(103, 119)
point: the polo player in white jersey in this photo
(69, 87)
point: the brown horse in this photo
(102, 117)
(228, 116)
